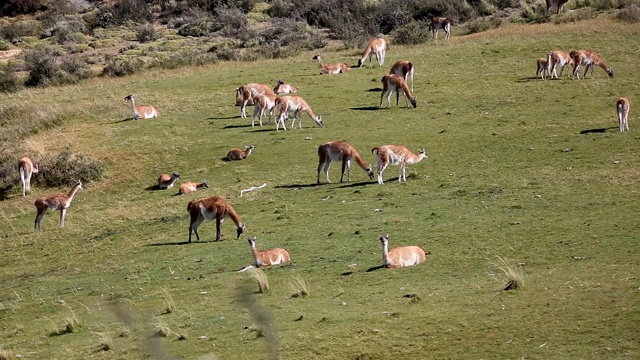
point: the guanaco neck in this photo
(385, 252)
(201, 185)
(73, 192)
(360, 162)
(234, 216)
(254, 251)
(133, 106)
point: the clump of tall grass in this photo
(169, 304)
(299, 287)
(261, 279)
(9, 82)
(71, 325)
(105, 341)
(513, 273)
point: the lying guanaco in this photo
(141, 111)
(166, 181)
(401, 256)
(237, 154)
(266, 257)
(191, 186)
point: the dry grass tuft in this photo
(515, 278)
(299, 287)
(5, 355)
(106, 341)
(169, 304)
(161, 328)
(261, 278)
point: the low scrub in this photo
(66, 168)
(9, 81)
(413, 33)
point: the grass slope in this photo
(530, 171)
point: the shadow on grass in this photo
(123, 120)
(376, 89)
(237, 126)
(186, 242)
(363, 183)
(366, 108)
(376, 268)
(155, 187)
(598, 130)
(224, 118)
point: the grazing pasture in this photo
(523, 174)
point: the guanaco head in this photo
(384, 239)
(317, 57)
(252, 241)
(609, 72)
(319, 121)
(250, 147)
(205, 184)
(79, 184)
(131, 97)
(242, 228)
(414, 102)
(369, 171)
(175, 174)
(422, 152)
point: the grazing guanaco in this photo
(542, 67)
(26, 169)
(248, 92)
(393, 82)
(141, 111)
(237, 154)
(240, 97)
(557, 3)
(265, 102)
(331, 68)
(191, 186)
(212, 208)
(55, 202)
(298, 105)
(559, 57)
(441, 23)
(283, 88)
(401, 256)
(266, 257)
(622, 108)
(404, 69)
(376, 46)
(589, 59)
(340, 151)
(396, 155)
(166, 181)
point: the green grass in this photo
(499, 183)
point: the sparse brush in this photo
(515, 278)
(298, 287)
(261, 278)
(161, 328)
(72, 324)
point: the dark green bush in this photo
(146, 33)
(630, 13)
(233, 23)
(66, 168)
(9, 81)
(42, 67)
(15, 30)
(72, 70)
(413, 33)
(122, 66)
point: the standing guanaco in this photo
(622, 108)
(393, 82)
(55, 202)
(340, 151)
(396, 155)
(376, 46)
(26, 169)
(212, 208)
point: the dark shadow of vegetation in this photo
(376, 268)
(366, 108)
(597, 130)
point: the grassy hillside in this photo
(530, 171)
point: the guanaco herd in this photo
(266, 100)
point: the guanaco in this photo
(401, 256)
(26, 169)
(237, 154)
(55, 202)
(166, 181)
(212, 208)
(191, 186)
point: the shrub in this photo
(413, 33)
(18, 29)
(41, 64)
(66, 168)
(21, 7)
(146, 33)
(9, 81)
(483, 24)
(122, 67)
(5, 45)
(233, 23)
(630, 14)
(73, 70)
